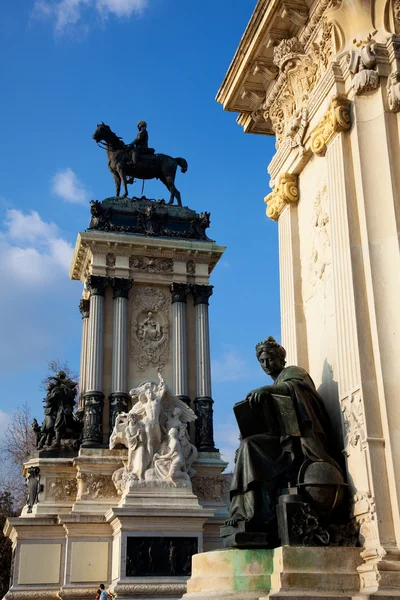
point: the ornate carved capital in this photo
(285, 192)
(336, 119)
(202, 293)
(96, 284)
(84, 308)
(121, 287)
(179, 291)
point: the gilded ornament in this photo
(285, 192)
(336, 119)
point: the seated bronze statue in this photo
(283, 426)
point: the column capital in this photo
(201, 293)
(96, 284)
(84, 308)
(121, 287)
(179, 291)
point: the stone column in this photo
(119, 396)
(203, 402)
(84, 308)
(94, 397)
(179, 291)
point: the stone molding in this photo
(121, 287)
(336, 119)
(96, 284)
(84, 308)
(285, 192)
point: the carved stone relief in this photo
(59, 488)
(110, 260)
(320, 261)
(364, 513)
(92, 487)
(353, 418)
(301, 70)
(393, 91)
(396, 15)
(208, 488)
(190, 267)
(151, 265)
(150, 328)
(363, 67)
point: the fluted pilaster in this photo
(84, 309)
(119, 396)
(203, 401)
(179, 292)
(92, 427)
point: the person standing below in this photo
(103, 593)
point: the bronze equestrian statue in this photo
(138, 160)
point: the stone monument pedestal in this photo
(295, 571)
(156, 531)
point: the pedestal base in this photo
(285, 571)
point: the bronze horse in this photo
(150, 166)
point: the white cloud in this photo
(32, 250)
(34, 321)
(231, 366)
(66, 184)
(28, 228)
(67, 13)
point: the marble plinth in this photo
(285, 571)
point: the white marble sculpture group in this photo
(155, 432)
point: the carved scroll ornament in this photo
(285, 192)
(336, 119)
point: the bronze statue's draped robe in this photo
(266, 462)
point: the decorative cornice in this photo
(285, 192)
(179, 291)
(84, 308)
(121, 287)
(201, 293)
(335, 120)
(96, 284)
(89, 244)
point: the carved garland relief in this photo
(58, 488)
(92, 487)
(150, 328)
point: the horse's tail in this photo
(183, 164)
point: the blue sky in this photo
(71, 64)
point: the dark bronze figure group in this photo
(138, 160)
(60, 422)
(287, 469)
